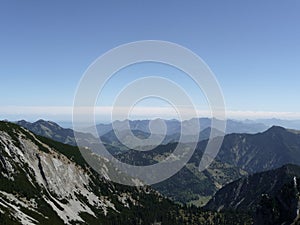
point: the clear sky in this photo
(253, 48)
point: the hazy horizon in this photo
(253, 49)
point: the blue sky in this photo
(253, 48)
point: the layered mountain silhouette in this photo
(263, 151)
(55, 132)
(240, 154)
(174, 126)
(47, 182)
(253, 174)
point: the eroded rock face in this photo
(47, 182)
(35, 175)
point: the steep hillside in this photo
(272, 196)
(239, 155)
(55, 132)
(263, 151)
(47, 182)
(188, 185)
(52, 130)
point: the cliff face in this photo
(46, 182)
(38, 182)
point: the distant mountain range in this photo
(53, 131)
(204, 184)
(175, 126)
(290, 124)
(240, 154)
(139, 128)
(252, 173)
(287, 123)
(47, 182)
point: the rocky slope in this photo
(47, 182)
(272, 196)
(187, 186)
(239, 155)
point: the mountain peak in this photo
(41, 121)
(276, 129)
(279, 187)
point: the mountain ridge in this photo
(267, 150)
(47, 182)
(273, 197)
(239, 155)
